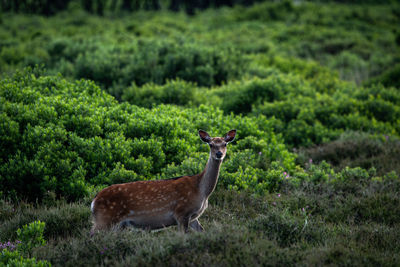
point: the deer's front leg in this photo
(183, 224)
(195, 225)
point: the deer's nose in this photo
(218, 154)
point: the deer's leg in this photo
(99, 225)
(127, 223)
(195, 225)
(183, 224)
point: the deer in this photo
(157, 204)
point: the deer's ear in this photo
(230, 136)
(204, 136)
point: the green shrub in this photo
(61, 220)
(310, 117)
(13, 258)
(240, 97)
(322, 32)
(389, 78)
(268, 11)
(287, 229)
(177, 92)
(356, 149)
(72, 136)
(30, 237)
(358, 41)
(117, 66)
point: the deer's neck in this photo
(209, 178)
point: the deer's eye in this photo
(211, 145)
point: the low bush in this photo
(240, 97)
(69, 137)
(287, 229)
(302, 111)
(13, 258)
(116, 66)
(342, 37)
(388, 78)
(311, 117)
(30, 237)
(355, 217)
(61, 221)
(176, 92)
(309, 223)
(356, 149)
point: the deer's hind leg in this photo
(195, 225)
(100, 224)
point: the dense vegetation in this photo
(353, 223)
(313, 89)
(67, 137)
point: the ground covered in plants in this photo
(88, 100)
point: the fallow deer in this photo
(161, 203)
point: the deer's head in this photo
(217, 144)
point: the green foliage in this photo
(61, 219)
(155, 61)
(116, 66)
(72, 136)
(359, 42)
(356, 149)
(388, 78)
(287, 229)
(346, 38)
(31, 236)
(241, 96)
(311, 117)
(13, 258)
(177, 92)
(306, 113)
(268, 12)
